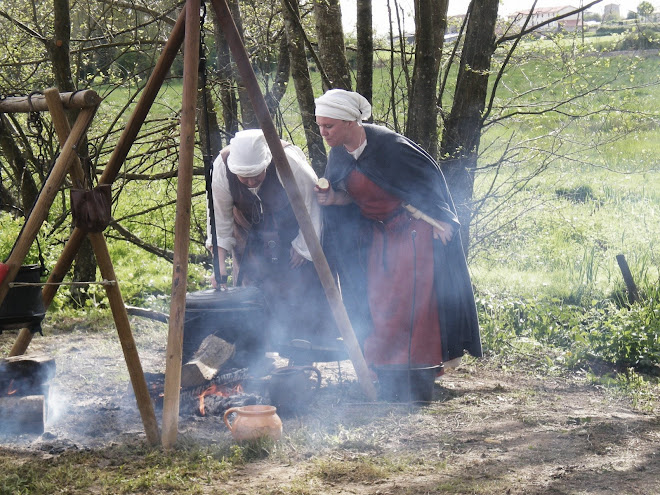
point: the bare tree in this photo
(330, 34)
(365, 49)
(462, 131)
(303, 84)
(431, 23)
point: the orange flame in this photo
(12, 390)
(218, 390)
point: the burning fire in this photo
(11, 389)
(220, 390)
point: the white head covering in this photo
(343, 105)
(249, 154)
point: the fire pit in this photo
(212, 398)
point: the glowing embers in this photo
(215, 392)
(212, 398)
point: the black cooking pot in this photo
(236, 315)
(23, 307)
(400, 383)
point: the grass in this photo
(119, 469)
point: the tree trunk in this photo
(330, 34)
(22, 180)
(462, 132)
(430, 22)
(248, 116)
(226, 81)
(303, 85)
(58, 48)
(365, 49)
(282, 75)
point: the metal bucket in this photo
(399, 383)
(23, 307)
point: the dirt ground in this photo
(488, 430)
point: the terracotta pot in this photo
(291, 389)
(253, 422)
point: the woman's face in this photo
(335, 132)
(253, 182)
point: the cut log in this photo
(213, 352)
(148, 313)
(25, 414)
(29, 372)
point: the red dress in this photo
(400, 271)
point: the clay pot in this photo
(253, 422)
(290, 388)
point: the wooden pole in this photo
(131, 356)
(111, 170)
(182, 226)
(87, 98)
(633, 293)
(117, 307)
(46, 197)
(304, 221)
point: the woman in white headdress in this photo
(420, 307)
(255, 223)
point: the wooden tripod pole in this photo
(126, 140)
(182, 225)
(304, 221)
(115, 298)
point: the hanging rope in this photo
(42, 284)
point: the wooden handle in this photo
(227, 413)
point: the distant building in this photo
(611, 11)
(544, 14)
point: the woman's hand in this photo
(326, 195)
(296, 259)
(445, 235)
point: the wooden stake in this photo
(147, 98)
(633, 294)
(182, 226)
(128, 346)
(304, 221)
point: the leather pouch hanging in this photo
(90, 208)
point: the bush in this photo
(622, 336)
(640, 40)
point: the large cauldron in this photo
(23, 307)
(237, 315)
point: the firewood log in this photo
(30, 370)
(209, 358)
(26, 414)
